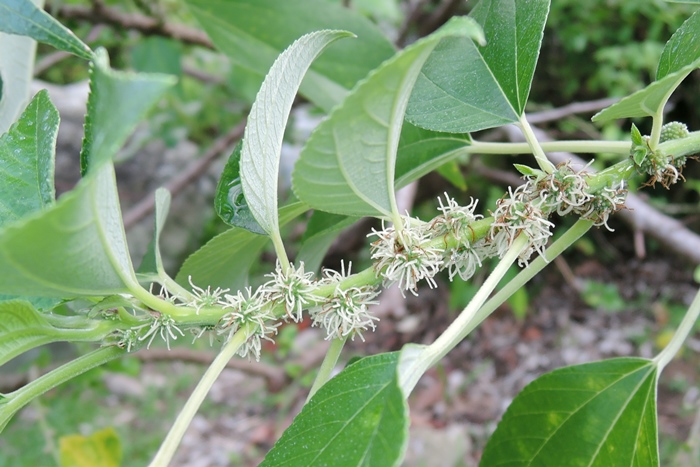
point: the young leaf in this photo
(262, 142)
(348, 163)
(229, 202)
(27, 161)
(22, 327)
(75, 247)
(24, 18)
(117, 102)
(224, 261)
(465, 88)
(152, 263)
(357, 418)
(254, 32)
(595, 414)
(680, 56)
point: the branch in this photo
(669, 232)
(101, 14)
(571, 109)
(191, 172)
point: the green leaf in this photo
(75, 247)
(452, 172)
(422, 151)
(22, 328)
(224, 261)
(465, 88)
(648, 101)
(680, 56)
(229, 201)
(27, 161)
(528, 171)
(262, 142)
(101, 448)
(117, 102)
(152, 262)
(254, 32)
(24, 18)
(596, 414)
(683, 49)
(321, 230)
(358, 418)
(636, 136)
(348, 163)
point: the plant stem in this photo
(685, 328)
(15, 400)
(683, 146)
(172, 440)
(565, 241)
(537, 151)
(281, 252)
(657, 123)
(453, 335)
(329, 361)
(580, 147)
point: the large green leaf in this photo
(75, 247)
(24, 18)
(648, 101)
(348, 163)
(27, 161)
(358, 418)
(421, 151)
(254, 32)
(224, 261)
(596, 414)
(117, 102)
(22, 328)
(262, 142)
(680, 56)
(682, 49)
(466, 88)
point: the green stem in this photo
(555, 249)
(453, 335)
(173, 287)
(537, 151)
(14, 401)
(683, 146)
(579, 147)
(685, 328)
(657, 123)
(172, 440)
(329, 362)
(281, 252)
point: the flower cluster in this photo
(202, 298)
(161, 324)
(520, 212)
(407, 255)
(253, 310)
(346, 312)
(294, 287)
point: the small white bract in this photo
(205, 297)
(294, 288)
(163, 325)
(407, 256)
(464, 260)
